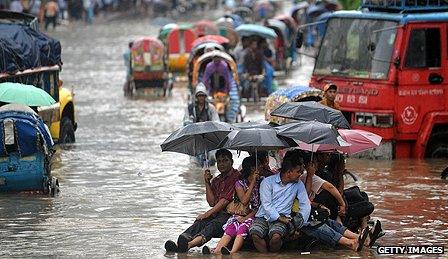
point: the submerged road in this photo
(122, 197)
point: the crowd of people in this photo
(265, 209)
(57, 10)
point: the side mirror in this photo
(371, 47)
(299, 39)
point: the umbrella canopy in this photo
(255, 139)
(299, 6)
(316, 10)
(255, 29)
(210, 38)
(197, 138)
(205, 27)
(309, 111)
(17, 107)
(165, 30)
(253, 125)
(311, 132)
(24, 94)
(202, 46)
(359, 141)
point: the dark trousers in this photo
(50, 20)
(207, 228)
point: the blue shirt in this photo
(277, 198)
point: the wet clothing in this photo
(223, 186)
(316, 186)
(330, 232)
(207, 228)
(263, 228)
(330, 104)
(193, 114)
(234, 228)
(213, 70)
(277, 199)
(253, 62)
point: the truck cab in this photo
(390, 63)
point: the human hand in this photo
(341, 211)
(325, 208)
(253, 177)
(241, 219)
(207, 176)
(202, 216)
(311, 169)
(284, 219)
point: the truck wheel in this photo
(67, 134)
(438, 145)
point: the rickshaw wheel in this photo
(67, 134)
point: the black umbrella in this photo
(253, 125)
(197, 138)
(312, 132)
(256, 139)
(310, 111)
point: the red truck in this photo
(390, 63)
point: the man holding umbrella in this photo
(330, 91)
(219, 192)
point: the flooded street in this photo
(122, 197)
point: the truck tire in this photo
(67, 134)
(438, 145)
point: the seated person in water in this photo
(358, 208)
(277, 193)
(219, 192)
(248, 197)
(329, 231)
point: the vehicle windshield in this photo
(345, 48)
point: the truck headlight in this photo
(376, 120)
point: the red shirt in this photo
(223, 186)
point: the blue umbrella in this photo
(255, 29)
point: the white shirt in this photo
(316, 187)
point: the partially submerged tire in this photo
(438, 145)
(67, 134)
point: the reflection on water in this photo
(120, 196)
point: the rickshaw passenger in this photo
(200, 110)
(219, 193)
(254, 63)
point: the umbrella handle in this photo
(205, 160)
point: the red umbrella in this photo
(211, 38)
(359, 140)
(205, 27)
